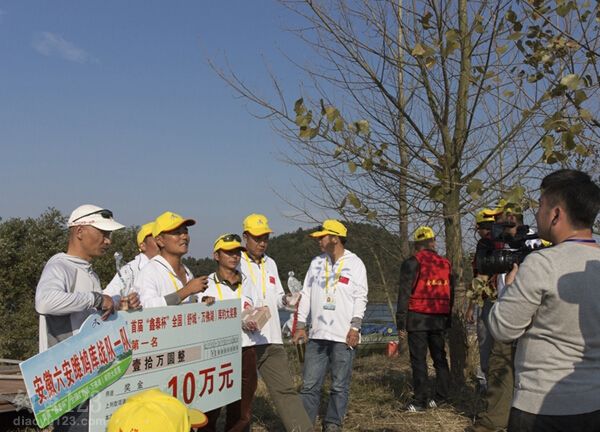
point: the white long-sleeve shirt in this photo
(128, 274)
(224, 291)
(64, 298)
(261, 281)
(158, 279)
(344, 281)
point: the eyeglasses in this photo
(106, 214)
(227, 238)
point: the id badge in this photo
(329, 304)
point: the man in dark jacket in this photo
(424, 308)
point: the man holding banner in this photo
(69, 291)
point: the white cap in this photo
(95, 216)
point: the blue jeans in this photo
(320, 356)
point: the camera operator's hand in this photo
(510, 276)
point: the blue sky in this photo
(113, 103)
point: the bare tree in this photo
(420, 112)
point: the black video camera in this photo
(498, 254)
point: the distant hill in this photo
(293, 252)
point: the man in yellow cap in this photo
(123, 280)
(261, 277)
(423, 313)
(335, 294)
(226, 284)
(484, 220)
(155, 411)
(500, 370)
(165, 280)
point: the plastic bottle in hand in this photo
(294, 285)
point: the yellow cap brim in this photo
(259, 231)
(197, 418)
(323, 233)
(186, 222)
(494, 212)
(228, 246)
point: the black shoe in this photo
(414, 407)
(432, 404)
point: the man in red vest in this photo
(424, 308)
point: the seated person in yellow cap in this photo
(226, 284)
(424, 309)
(260, 275)
(155, 411)
(165, 280)
(123, 280)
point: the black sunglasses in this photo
(230, 237)
(322, 228)
(106, 214)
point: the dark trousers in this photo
(418, 342)
(521, 421)
(238, 413)
(500, 388)
(273, 366)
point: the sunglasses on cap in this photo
(322, 228)
(104, 213)
(230, 238)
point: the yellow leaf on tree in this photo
(570, 81)
(418, 50)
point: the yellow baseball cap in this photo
(144, 232)
(257, 224)
(228, 242)
(505, 206)
(331, 227)
(486, 215)
(169, 221)
(155, 411)
(423, 233)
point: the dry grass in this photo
(380, 389)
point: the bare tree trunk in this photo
(458, 334)
(400, 139)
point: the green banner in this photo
(83, 393)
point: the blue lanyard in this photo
(575, 240)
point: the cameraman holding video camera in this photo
(509, 242)
(552, 306)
